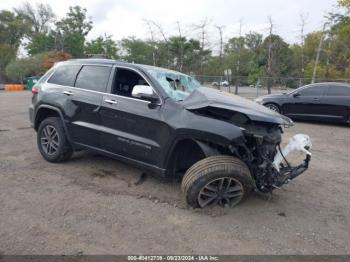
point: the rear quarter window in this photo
(65, 75)
(93, 78)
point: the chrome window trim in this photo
(110, 94)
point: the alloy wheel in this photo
(225, 192)
(49, 140)
(273, 107)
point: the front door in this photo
(305, 102)
(132, 128)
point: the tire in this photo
(56, 148)
(273, 107)
(209, 174)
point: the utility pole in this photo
(203, 31)
(269, 59)
(303, 21)
(238, 62)
(318, 53)
(220, 29)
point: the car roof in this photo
(105, 61)
(331, 83)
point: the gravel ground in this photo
(96, 205)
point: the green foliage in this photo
(102, 45)
(137, 51)
(37, 18)
(250, 57)
(7, 53)
(12, 29)
(18, 69)
(41, 42)
(72, 30)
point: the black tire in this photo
(273, 107)
(215, 169)
(60, 149)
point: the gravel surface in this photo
(96, 205)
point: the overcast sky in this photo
(123, 18)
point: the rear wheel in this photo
(217, 180)
(273, 107)
(52, 141)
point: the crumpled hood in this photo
(203, 97)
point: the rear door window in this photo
(338, 91)
(65, 75)
(93, 78)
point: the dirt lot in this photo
(95, 205)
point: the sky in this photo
(124, 18)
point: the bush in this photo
(35, 65)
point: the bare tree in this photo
(181, 46)
(203, 29)
(269, 58)
(151, 32)
(165, 38)
(303, 21)
(39, 16)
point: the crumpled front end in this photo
(267, 161)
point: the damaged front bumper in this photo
(286, 172)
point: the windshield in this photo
(178, 86)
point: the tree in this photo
(102, 45)
(72, 30)
(12, 30)
(41, 42)
(34, 65)
(136, 50)
(39, 17)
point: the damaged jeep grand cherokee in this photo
(222, 146)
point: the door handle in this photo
(110, 101)
(68, 93)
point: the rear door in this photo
(337, 102)
(306, 102)
(85, 102)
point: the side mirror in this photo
(296, 95)
(144, 92)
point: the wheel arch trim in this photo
(41, 107)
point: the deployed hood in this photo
(209, 97)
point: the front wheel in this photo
(273, 107)
(217, 180)
(52, 141)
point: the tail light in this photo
(35, 90)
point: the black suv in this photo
(165, 123)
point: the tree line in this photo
(319, 55)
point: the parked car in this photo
(164, 122)
(224, 83)
(320, 101)
(215, 84)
